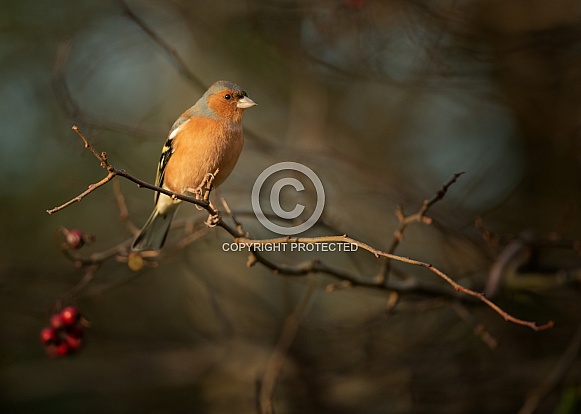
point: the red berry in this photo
(56, 321)
(70, 315)
(48, 336)
(74, 343)
(75, 239)
(63, 348)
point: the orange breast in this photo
(201, 146)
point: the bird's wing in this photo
(167, 150)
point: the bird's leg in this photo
(207, 191)
(213, 219)
(207, 184)
(202, 192)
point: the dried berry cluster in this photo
(65, 334)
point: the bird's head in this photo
(225, 100)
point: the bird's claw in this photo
(213, 220)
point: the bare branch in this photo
(378, 253)
(123, 211)
(88, 191)
(313, 266)
(104, 163)
(404, 221)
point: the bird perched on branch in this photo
(204, 139)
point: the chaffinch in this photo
(205, 138)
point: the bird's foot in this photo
(213, 220)
(198, 193)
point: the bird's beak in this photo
(245, 102)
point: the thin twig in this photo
(229, 211)
(404, 221)
(479, 329)
(85, 193)
(123, 211)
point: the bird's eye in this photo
(227, 96)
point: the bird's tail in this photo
(153, 234)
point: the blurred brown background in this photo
(385, 101)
